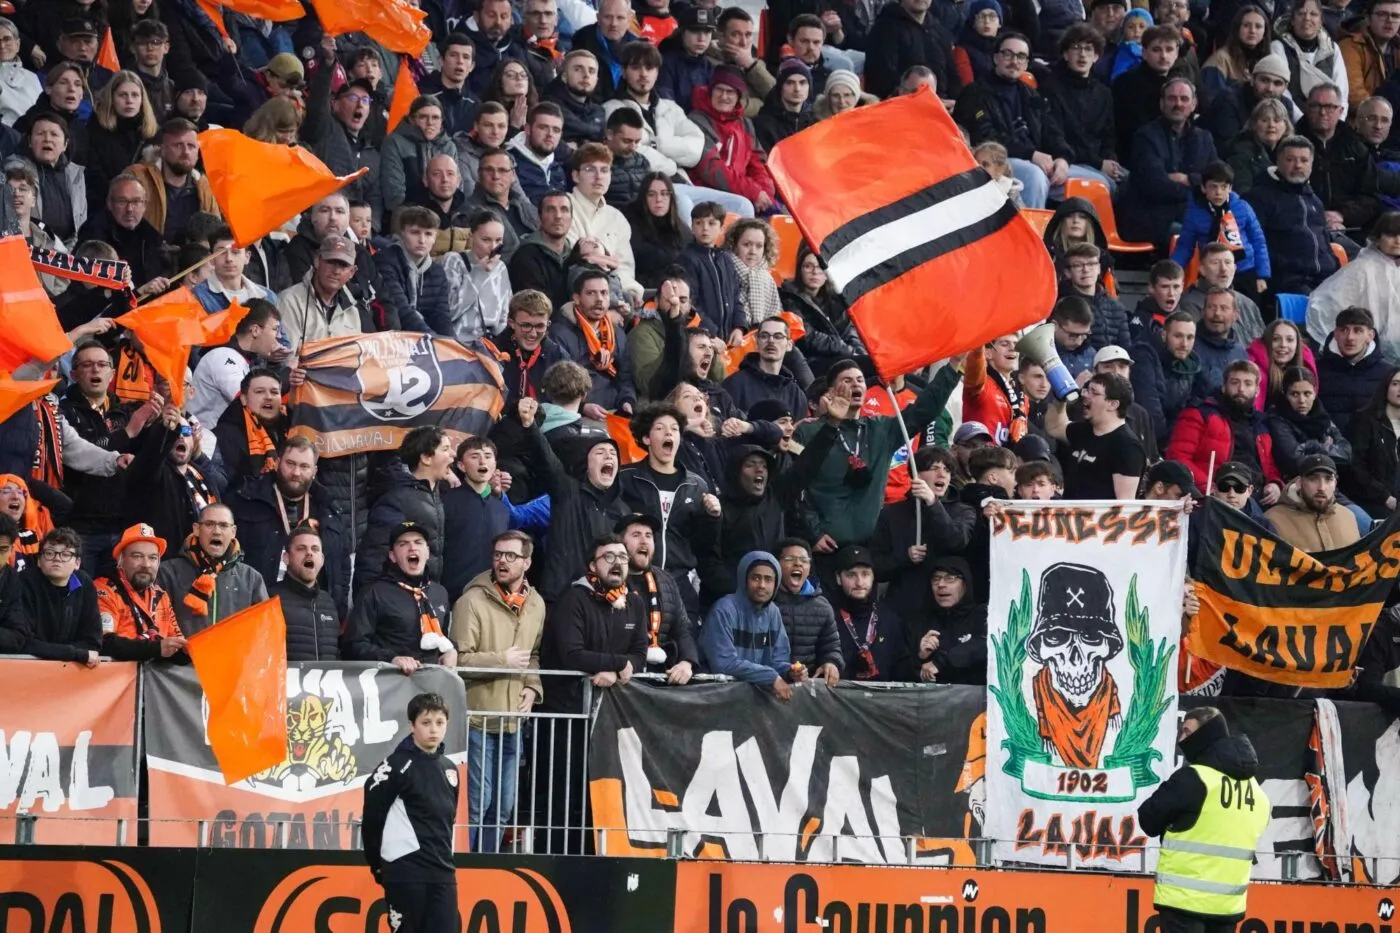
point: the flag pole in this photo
(186, 271)
(913, 474)
(1210, 473)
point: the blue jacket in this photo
(422, 309)
(1195, 232)
(1078, 360)
(1153, 202)
(745, 641)
(714, 286)
(1345, 386)
(1215, 354)
(1294, 225)
(535, 180)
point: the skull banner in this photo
(1083, 621)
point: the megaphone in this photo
(1038, 346)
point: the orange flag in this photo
(259, 186)
(394, 24)
(735, 356)
(894, 240)
(405, 90)
(216, 14)
(170, 325)
(274, 11)
(107, 54)
(620, 430)
(15, 394)
(241, 663)
(29, 328)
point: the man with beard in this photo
(313, 618)
(490, 30)
(1351, 367)
(952, 647)
(670, 643)
(137, 614)
(1217, 342)
(573, 92)
(1228, 113)
(498, 622)
(897, 560)
(1294, 220)
(335, 132)
(210, 577)
(586, 332)
(600, 629)
(686, 506)
(540, 157)
(808, 618)
(1217, 270)
(170, 480)
(873, 645)
(539, 260)
(246, 437)
(743, 635)
(1228, 427)
(60, 603)
(402, 617)
(763, 375)
(270, 507)
(498, 192)
(1166, 373)
(1309, 516)
(175, 190)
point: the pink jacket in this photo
(1259, 356)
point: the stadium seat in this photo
(729, 219)
(1193, 268)
(1096, 193)
(1039, 219)
(789, 239)
(1293, 308)
(1340, 253)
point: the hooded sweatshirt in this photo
(1176, 805)
(744, 640)
(961, 656)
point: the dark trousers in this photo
(1179, 921)
(423, 908)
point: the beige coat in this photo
(484, 627)
(1312, 531)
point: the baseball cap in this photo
(337, 248)
(852, 556)
(1236, 471)
(1317, 463)
(970, 429)
(1112, 353)
(695, 17)
(408, 528)
(1173, 473)
(356, 84)
(80, 27)
(138, 534)
(638, 518)
(285, 67)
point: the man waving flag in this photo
(931, 257)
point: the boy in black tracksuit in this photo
(407, 825)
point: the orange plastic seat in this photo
(1193, 268)
(1340, 253)
(789, 239)
(1038, 219)
(1096, 193)
(729, 219)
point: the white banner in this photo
(1084, 622)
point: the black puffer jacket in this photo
(1084, 108)
(579, 512)
(830, 335)
(1373, 475)
(346, 481)
(811, 627)
(406, 499)
(385, 623)
(1176, 805)
(628, 173)
(675, 635)
(583, 120)
(313, 622)
(776, 123)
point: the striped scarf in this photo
(599, 337)
(260, 445)
(202, 587)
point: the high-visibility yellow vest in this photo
(1205, 869)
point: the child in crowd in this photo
(995, 162)
(1216, 214)
(1135, 23)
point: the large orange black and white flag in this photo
(927, 250)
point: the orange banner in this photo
(171, 325)
(69, 734)
(29, 328)
(405, 90)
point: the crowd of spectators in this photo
(579, 193)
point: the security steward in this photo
(1210, 815)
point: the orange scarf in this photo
(604, 338)
(515, 601)
(204, 584)
(133, 382)
(260, 446)
(34, 524)
(1076, 734)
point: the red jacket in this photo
(733, 159)
(1204, 430)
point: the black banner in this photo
(838, 774)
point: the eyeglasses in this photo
(1388, 17)
(1020, 58)
(508, 557)
(541, 326)
(51, 554)
(217, 526)
(357, 98)
(128, 202)
(1232, 486)
(770, 338)
(797, 561)
(1083, 266)
(1081, 48)
(98, 365)
(1324, 108)
(612, 557)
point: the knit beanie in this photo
(980, 5)
(843, 78)
(793, 66)
(724, 76)
(1275, 66)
